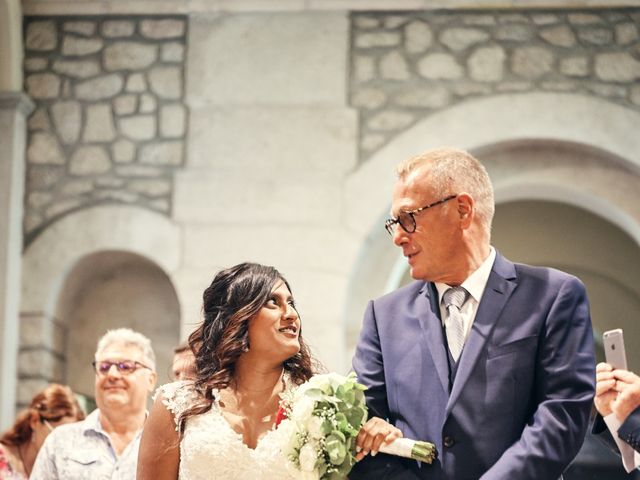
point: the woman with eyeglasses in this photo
(53, 406)
(249, 350)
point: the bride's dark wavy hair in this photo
(235, 296)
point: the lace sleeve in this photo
(177, 397)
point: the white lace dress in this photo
(210, 449)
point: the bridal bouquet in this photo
(323, 418)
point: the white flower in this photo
(314, 427)
(308, 457)
(302, 409)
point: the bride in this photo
(248, 349)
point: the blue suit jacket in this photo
(519, 406)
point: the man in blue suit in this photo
(502, 378)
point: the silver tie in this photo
(453, 300)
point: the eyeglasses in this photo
(126, 367)
(407, 220)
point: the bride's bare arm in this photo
(159, 455)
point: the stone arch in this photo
(78, 256)
(563, 122)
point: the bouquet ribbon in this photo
(418, 450)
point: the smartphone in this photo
(614, 348)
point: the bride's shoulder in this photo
(177, 396)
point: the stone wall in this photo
(405, 67)
(110, 122)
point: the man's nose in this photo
(399, 236)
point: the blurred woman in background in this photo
(53, 406)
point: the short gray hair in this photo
(453, 171)
(128, 337)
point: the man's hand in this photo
(373, 434)
(605, 389)
(627, 386)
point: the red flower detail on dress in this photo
(281, 414)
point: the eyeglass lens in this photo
(125, 366)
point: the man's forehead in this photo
(120, 351)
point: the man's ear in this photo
(466, 209)
(153, 378)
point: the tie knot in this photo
(455, 296)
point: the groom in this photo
(499, 373)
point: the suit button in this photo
(448, 441)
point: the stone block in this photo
(561, 36)
(136, 83)
(167, 153)
(44, 149)
(459, 39)
(103, 87)
(626, 33)
(109, 182)
(390, 120)
(161, 29)
(41, 36)
(73, 188)
(35, 64)
(286, 139)
(89, 160)
(129, 55)
(148, 103)
(116, 195)
(440, 66)
(39, 363)
(172, 52)
(368, 98)
(151, 187)
(366, 23)
(486, 64)
(99, 125)
(85, 28)
(616, 67)
(544, 18)
(44, 176)
(393, 66)
(584, 18)
(418, 37)
(118, 28)
(67, 119)
(261, 196)
(28, 387)
(575, 66)
(166, 82)
(226, 52)
(596, 36)
(38, 331)
(377, 39)
(514, 33)
(531, 62)
(364, 68)
(39, 120)
(125, 104)
(37, 199)
(173, 120)
(123, 151)
(79, 46)
(138, 127)
(61, 207)
(634, 94)
(43, 85)
(77, 68)
(139, 171)
(478, 19)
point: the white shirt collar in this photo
(476, 282)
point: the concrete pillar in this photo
(14, 109)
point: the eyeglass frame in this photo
(136, 364)
(390, 223)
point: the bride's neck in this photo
(251, 378)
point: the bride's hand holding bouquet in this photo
(326, 427)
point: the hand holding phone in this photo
(614, 353)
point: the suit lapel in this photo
(432, 333)
(500, 285)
